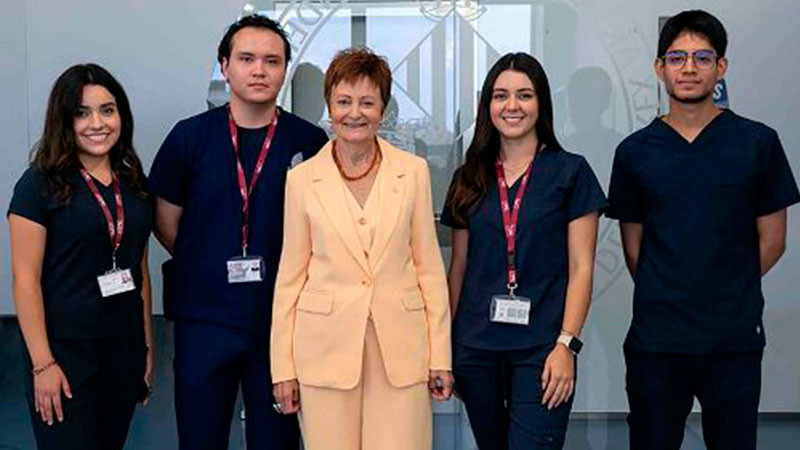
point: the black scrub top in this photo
(562, 187)
(78, 249)
(698, 277)
(195, 168)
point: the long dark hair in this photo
(473, 178)
(56, 153)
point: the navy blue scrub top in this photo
(196, 169)
(698, 276)
(562, 188)
(77, 250)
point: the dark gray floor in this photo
(153, 426)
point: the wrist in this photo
(41, 360)
(572, 343)
(41, 368)
(568, 333)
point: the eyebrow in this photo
(711, 50)
(518, 90)
(249, 53)
(353, 97)
(104, 105)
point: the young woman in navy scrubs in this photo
(80, 219)
(524, 214)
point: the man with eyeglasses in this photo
(701, 196)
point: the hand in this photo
(148, 373)
(441, 385)
(287, 395)
(47, 387)
(558, 377)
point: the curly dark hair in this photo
(56, 153)
(693, 21)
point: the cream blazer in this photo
(326, 288)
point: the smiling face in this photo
(97, 123)
(257, 66)
(356, 110)
(514, 108)
(690, 83)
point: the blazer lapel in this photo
(393, 189)
(329, 190)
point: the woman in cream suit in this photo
(361, 322)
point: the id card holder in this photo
(116, 282)
(245, 269)
(510, 309)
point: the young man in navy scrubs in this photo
(701, 196)
(219, 180)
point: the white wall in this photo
(163, 51)
(13, 119)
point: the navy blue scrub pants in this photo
(661, 389)
(502, 393)
(211, 362)
(107, 379)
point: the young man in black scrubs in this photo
(701, 196)
(219, 180)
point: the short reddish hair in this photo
(352, 64)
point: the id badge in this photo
(509, 309)
(116, 282)
(245, 269)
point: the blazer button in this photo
(362, 221)
(366, 282)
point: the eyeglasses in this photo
(703, 59)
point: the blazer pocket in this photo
(412, 301)
(315, 302)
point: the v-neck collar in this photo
(536, 158)
(352, 196)
(710, 126)
(97, 182)
(102, 185)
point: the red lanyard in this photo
(244, 191)
(510, 217)
(114, 230)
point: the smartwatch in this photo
(571, 342)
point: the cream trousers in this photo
(372, 416)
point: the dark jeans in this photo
(211, 362)
(661, 390)
(502, 393)
(106, 377)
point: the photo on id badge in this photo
(510, 309)
(245, 269)
(115, 281)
